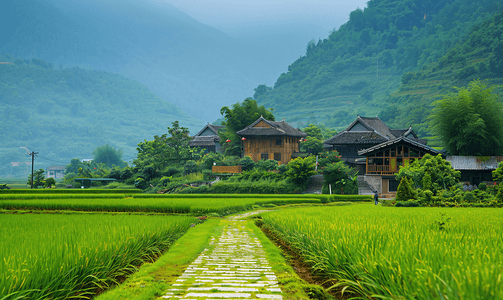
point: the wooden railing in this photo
(226, 169)
(371, 169)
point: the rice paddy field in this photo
(399, 253)
(174, 204)
(47, 256)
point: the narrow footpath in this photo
(233, 267)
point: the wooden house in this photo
(265, 139)
(207, 138)
(382, 161)
(362, 134)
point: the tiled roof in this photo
(412, 142)
(56, 168)
(213, 128)
(356, 137)
(204, 141)
(473, 162)
(276, 129)
(376, 132)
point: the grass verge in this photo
(152, 279)
(291, 284)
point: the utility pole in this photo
(32, 163)
(32, 153)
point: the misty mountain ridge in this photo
(357, 67)
(192, 65)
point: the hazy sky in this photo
(233, 16)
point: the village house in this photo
(56, 172)
(265, 139)
(382, 161)
(475, 169)
(377, 151)
(207, 138)
(362, 134)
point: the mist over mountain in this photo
(192, 65)
(67, 113)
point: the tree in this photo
(405, 191)
(471, 121)
(49, 182)
(178, 142)
(342, 178)
(442, 175)
(109, 156)
(498, 173)
(237, 118)
(38, 178)
(300, 170)
(261, 90)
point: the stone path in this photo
(235, 267)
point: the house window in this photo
(278, 142)
(393, 185)
(277, 156)
(264, 156)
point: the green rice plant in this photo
(71, 191)
(175, 205)
(387, 253)
(59, 196)
(72, 256)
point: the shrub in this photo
(339, 176)
(469, 197)
(408, 203)
(405, 191)
(300, 170)
(483, 186)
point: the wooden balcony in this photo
(372, 169)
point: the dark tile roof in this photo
(204, 141)
(276, 129)
(377, 125)
(376, 132)
(398, 132)
(406, 140)
(213, 128)
(356, 137)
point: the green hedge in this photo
(34, 196)
(71, 191)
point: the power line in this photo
(52, 160)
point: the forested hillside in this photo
(355, 69)
(67, 113)
(179, 59)
(478, 56)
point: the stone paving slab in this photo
(234, 268)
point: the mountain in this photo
(479, 55)
(355, 69)
(194, 66)
(67, 113)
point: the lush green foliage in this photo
(237, 118)
(405, 191)
(38, 178)
(420, 253)
(61, 256)
(472, 57)
(440, 172)
(470, 122)
(342, 179)
(498, 173)
(301, 169)
(362, 62)
(107, 155)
